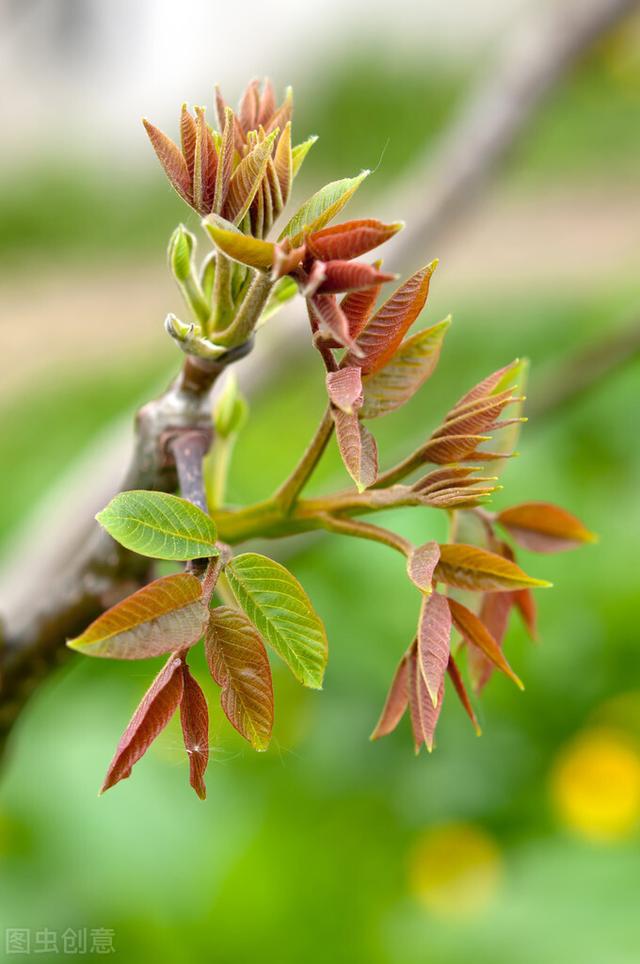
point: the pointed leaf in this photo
(241, 247)
(225, 162)
(327, 317)
(170, 156)
(357, 448)
(434, 640)
(281, 611)
(357, 307)
(249, 107)
(345, 389)
(321, 208)
(543, 527)
(384, 333)
(421, 565)
(476, 633)
(468, 567)
(424, 715)
(194, 719)
(205, 164)
(340, 276)
(351, 239)
(246, 179)
(283, 162)
(463, 696)
(267, 105)
(239, 664)
(396, 702)
(525, 603)
(300, 151)
(167, 614)
(494, 615)
(159, 525)
(152, 715)
(496, 382)
(414, 362)
(281, 117)
(188, 138)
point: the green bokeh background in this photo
(303, 853)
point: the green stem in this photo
(222, 304)
(289, 491)
(218, 471)
(366, 530)
(250, 310)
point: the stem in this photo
(221, 293)
(218, 471)
(189, 449)
(366, 530)
(290, 489)
(250, 310)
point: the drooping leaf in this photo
(166, 615)
(468, 567)
(386, 329)
(344, 388)
(397, 382)
(281, 611)
(396, 702)
(327, 317)
(525, 603)
(239, 664)
(476, 634)
(357, 447)
(194, 719)
(300, 151)
(342, 276)
(421, 565)
(159, 525)
(241, 247)
(152, 715)
(463, 696)
(246, 179)
(434, 639)
(351, 239)
(173, 163)
(321, 208)
(424, 715)
(544, 527)
(494, 615)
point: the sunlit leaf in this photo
(421, 565)
(321, 208)
(194, 719)
(281, 611)
(386, 329)
(344, 388)
(283, 162)
(476, 634)
(300, 151)
(351, 239)
(152, 715)
(468, 567)
(544, 527)
(396, 702)
(246, 179)
(167, 614)
(357, 448)
(225, 161)
(239, 664)
(241, 247)
(170, 156)
(159, 525)
(434, 639)
(414, 362)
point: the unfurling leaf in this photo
(205, 165)
(342, 276)
(283, 162)
(434, 640)
(240, 247)
(543, 527)
(476, 634)
(463, 696)
(281, 611)
(414, 362)
(188, 133)
(424, 715)
(386, 329)
(225, 158)
(194, 719)
(344, 388)
(152, 715)
(327, 317)
(357, 448)
(350, 240)
(321, 208)
(246, 179)
(300, 151)
(396, 702)
(174, 164)
(468, 567)
(421, 565)
(357, 307)
(286, 259)
(166, 615)
(159, 525)
(239, 664)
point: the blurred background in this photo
(520, 847)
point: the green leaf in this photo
(414, 362)
(321, 208)
(159, 525)
(162, 617)
(240, 247)
(283, 291)
(300, 151)
(281, 611)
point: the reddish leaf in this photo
(281, 117)
(225, 163)
(396, 702)
(246, 179)
(543, 527)
(188, 138)
(424, 715)
(345, 389)
(239, 664)
(434, 639)
(351, 276)
(249, 107)
(468, 567)
(421, 565)
(267, 105)
(453, 448)
(463, 696)
(380, 339)
(152, 715)
(488, 385)
(357, 307)
(330, 320)
(476, 634)
(357, 448)
(205, 164)
(526, 605)
(285, 259)
(351, 239)
(170, 156)
(194, 718)
(494, 615)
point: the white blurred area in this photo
(84, 71)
